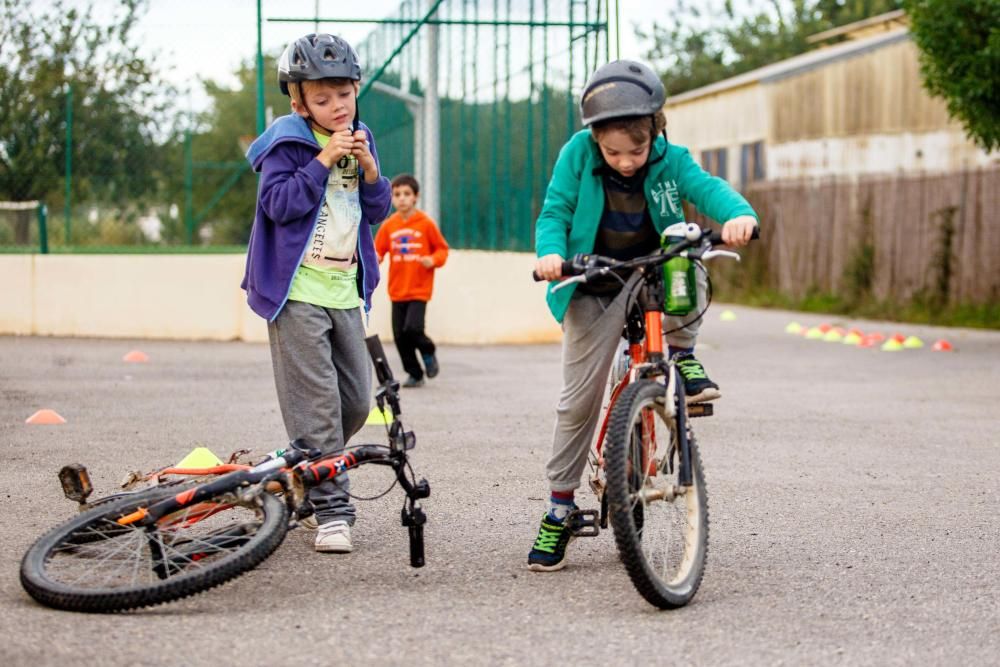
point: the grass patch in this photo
(918, 311)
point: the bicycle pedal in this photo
(700, 410)
(583, 523)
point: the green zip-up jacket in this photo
(574, 200)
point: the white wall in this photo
(479, 297)
(874, 154)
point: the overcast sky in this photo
(211, 37)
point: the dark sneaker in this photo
(697, 387)
(411, 381)
(431, 364)
(549, 552)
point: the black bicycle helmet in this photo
(317, 56)
(620, 89)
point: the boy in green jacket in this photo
(614, 189)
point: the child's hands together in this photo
(341, 144)
(360, 150)
(427, 262)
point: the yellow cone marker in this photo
(833, 336)
(727, 316)
(200, 457)
(913, 343)
(378, 417)
(852, 339)
(793, 328)
(814, 334)
(892, 345)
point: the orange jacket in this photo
(407, 241)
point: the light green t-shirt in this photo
(328, 274)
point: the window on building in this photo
(714, 162)
(752, 163)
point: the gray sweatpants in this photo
(323, 377)
(591, 330)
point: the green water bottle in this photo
(678, 276)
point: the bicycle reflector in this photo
(75, 482)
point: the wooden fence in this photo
(893, 237)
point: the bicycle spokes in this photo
(106, 554)
(660, 525)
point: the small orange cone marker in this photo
(876, 336)
(867, 341)
(899, 338)
(913, 343)
(824, 328)
(136, 357)
(942, 346)
(892, 345)
(45, 416)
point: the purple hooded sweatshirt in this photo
(289, 196)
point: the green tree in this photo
(709, 42)
(58, 58)
(959, 44)
(223, 179)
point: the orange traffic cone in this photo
(942, 346)
(45, 416)
(136, 357)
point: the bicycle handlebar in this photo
(581, 264)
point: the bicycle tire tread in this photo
(628, 543)
(169, 591)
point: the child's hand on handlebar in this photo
(737, 231)
(549, 267)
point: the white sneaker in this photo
(310, 522)
(334, 537)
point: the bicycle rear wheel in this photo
(92, 563)
(661, 527)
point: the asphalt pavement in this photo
(854, 501)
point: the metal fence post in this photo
(188, 190)
(43, 233)
(68, 178)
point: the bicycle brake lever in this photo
(568, 281)
(709, 254)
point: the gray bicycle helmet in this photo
(620, 89)
(319, 56)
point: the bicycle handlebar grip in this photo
(567, 270)
(416, 546)
(716, 236)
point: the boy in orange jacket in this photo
(416, 248)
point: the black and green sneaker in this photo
(697, 387)
(549, 552)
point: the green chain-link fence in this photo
(121, 172)
(508, 71)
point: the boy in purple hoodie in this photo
(311, 263)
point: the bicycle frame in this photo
(291, 474)
(644, 332)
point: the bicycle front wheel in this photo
(92, 563)
(660, 526)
